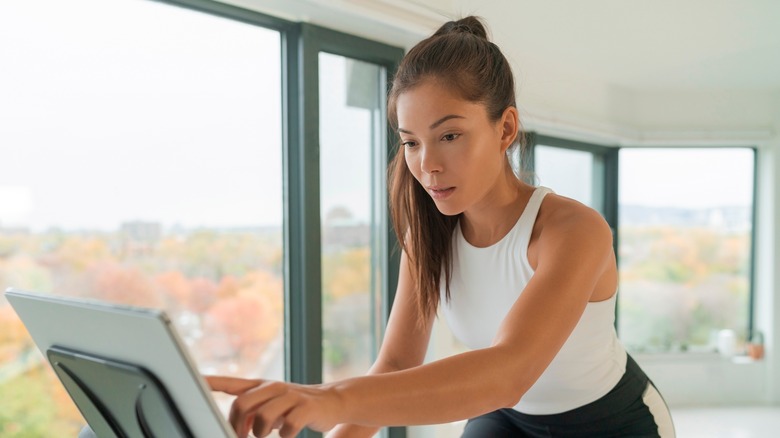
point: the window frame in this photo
(301, 45)
(305, 170)
(610, 175)
(753, 222)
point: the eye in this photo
(450, 137)
(408, 144)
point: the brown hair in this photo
(460, 56)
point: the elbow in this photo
(516, 378)
(508, 392)
(522, 377)
(520, 368)
(510, 397)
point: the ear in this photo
(510, 124)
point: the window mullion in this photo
(302, 224)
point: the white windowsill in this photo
(690, 357)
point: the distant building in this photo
(342, 230)
(346, 235)
(138, 237)
(14, 231)
(724, 219)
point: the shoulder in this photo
(565, 221)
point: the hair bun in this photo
(471, 25)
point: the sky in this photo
(136, 110)
(656, 177)
(129, 110)
(686, 178)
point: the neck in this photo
(492, 218)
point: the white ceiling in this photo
(658, 44)
(602, 61)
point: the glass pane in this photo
(685, 246)
(568, 172)
(142, 165)
(351, 120)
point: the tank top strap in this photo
(525, 224)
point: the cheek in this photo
(413, 164)
(482, 166)
(490, 154)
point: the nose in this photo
(430, 160)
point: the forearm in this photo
(354, 430)
(455, 388)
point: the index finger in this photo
(232, 385)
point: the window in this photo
(686, 236)
(142, 167)
(684, 241)
(577, 170)
(569, 172)
(351, 120)
(155, 162)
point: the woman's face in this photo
(451, 147)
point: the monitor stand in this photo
(117, 399)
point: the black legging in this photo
(633, 408)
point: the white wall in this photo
(707, 380)
(768, 311)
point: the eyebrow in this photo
(436, 123)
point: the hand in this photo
(264, 405)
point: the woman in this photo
(525, 277)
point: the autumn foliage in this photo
(223, 290)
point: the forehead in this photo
(430, 100)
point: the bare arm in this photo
(574, 251)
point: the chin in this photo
(448, 210)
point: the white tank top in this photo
(486, 282)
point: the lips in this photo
(440, 193)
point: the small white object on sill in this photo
(727, 343)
